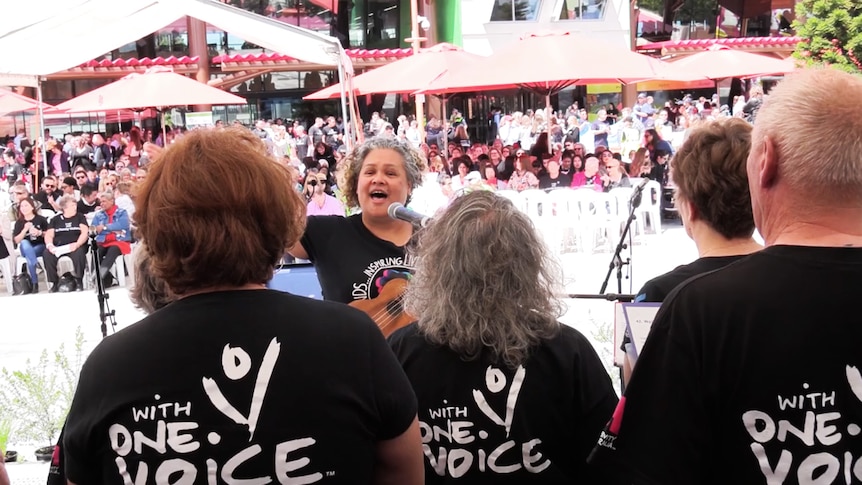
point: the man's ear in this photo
(767, 172)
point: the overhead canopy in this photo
(742, 8)
(87, 29)
(13, 102)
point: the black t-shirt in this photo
(751, 374)
(242, 384)
(39, 223)
(67, 231)
(657, 289)
(351, 262)
(485, 423)
(562, 180)
(83, 208)
(42, 198)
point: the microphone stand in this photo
(616, 261)
(105, 312)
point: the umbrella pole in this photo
(41, 129)
(348, 129)
(164, 130)
(548, 120)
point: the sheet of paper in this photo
(619, 334)
(62, 250)
(639, 318)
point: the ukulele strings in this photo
(384, 318)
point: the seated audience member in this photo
(590, 176)
(49, 194)
(554, 179)
(124, 198)
(28, 234)
(616, 175)
(488, 346)
(89, 201)
(66, 236)
(319, 202)
(751, 373)
(714, 204)
(113, 234)
(69, 186)
(522, 178)
(226, 350)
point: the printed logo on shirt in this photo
(380, 272)
(454, 446)
(169, 428)
(609, 435)
(809, 418)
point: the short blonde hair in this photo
(801, 109)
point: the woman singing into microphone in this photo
(358, 256)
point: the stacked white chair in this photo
(650, 208)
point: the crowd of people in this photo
(484, 385)
(526, 152)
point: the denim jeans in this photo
(30, 253)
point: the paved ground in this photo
(33, 323)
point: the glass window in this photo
(582, 10)
(509, 10)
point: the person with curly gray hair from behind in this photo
(502, 385)
(361, 258)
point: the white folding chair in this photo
(566, 215)
(515, 197)
(8, 273)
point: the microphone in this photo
(397, 211)
(637, 195)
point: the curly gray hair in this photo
(414, 164)
(485, 281)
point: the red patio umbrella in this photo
(720, 62)
(549, 62)
(156, 88)
(406, 75)
(11, 102)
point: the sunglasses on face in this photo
(50, 186)
(312, 182)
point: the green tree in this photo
(831, 32)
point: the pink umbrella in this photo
(11, 102)
(156, 88)
(526, 63)
(720, 62)
(408, 74)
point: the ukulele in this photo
(387, 309)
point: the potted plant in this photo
(5, 430)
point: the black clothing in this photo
(39, 223)
(238, 384)
(657, 289)
(351, 262)
(42, 198)
(532, 425)
(103, 156)
(562, 180)
(624, 181)
(83, 208)
(79, 263)
(751, 374)
(67, 231)
(81, 157)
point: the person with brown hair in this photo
(230, 380)
(714, 205)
